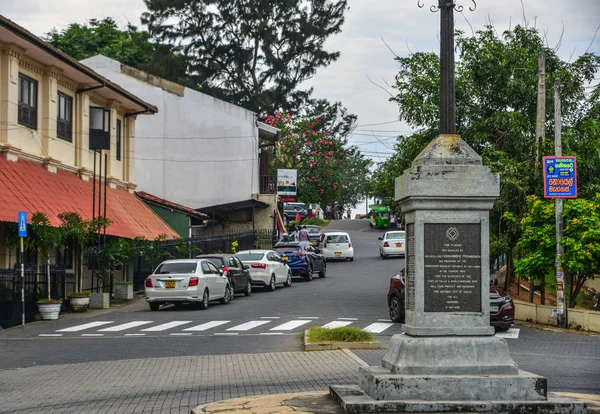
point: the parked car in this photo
(314, 234)
(502, 309)
(303, 259)
(267, 269)
(290, 211)
(337, 245)
(186, 281)
(232, 267)
(392, 243)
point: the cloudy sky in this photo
(402, 24)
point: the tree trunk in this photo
(531, 290)
(542, 287)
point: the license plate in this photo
(398, 244)
(284, 258)
(338, 253)
(170, 284)
(313, 242)
(494, 309)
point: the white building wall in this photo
(197, 151)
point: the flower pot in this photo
(124, 292)
(79, 303)
(49, 310)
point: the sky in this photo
(365, 60)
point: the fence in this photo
(208, 244)
(34, 284)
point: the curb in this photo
(332, 346)
(550, 328)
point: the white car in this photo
(267, 269)
(392, 243)
(186, 281)
(337, 245)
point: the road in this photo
(108, 360)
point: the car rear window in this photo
(176, 267)
(337, 238)
(250, 256)
(395, 235)
(313, 229)
(217, 261)
(288, 249)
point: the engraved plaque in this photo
(410, 267)
(452, 281)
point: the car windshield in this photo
(397, 235)
(313, 230)
(384, 215)
(250, 256)
(287, 249)
(217, 261)
(176, 267)
(337, 238)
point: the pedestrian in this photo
(298, 217)
(392, 220)
(349, 212)
(303, 235)
(328, 212)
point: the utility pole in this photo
(540, 124)
(558, 202)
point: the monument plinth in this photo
(448, 358)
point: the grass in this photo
(341, 334)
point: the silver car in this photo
(267, 269)
(186, 281)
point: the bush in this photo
(314, 221)
(341, 334)
(124, 283)
(83, 294)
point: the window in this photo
(28, 101)
(99, 128)
(212, 268)
(64, 117)
(118, 140)
(175, 267)
(231, 262)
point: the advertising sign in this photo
(560, 177)
(286, 182)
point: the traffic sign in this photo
(560, 177)
(22, 224)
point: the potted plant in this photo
(79, 301)
(124, 290)
(48, 308)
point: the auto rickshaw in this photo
(380, 216)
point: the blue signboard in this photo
(560, 177)
(22, 224)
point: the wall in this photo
(178, 221)
(197, 151)
(263, 218)
(584, 319)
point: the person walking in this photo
(303, 235)
(349, 212)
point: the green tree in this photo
(252, 53)
(44, 239)
(129, 46)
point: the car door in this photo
(220, 281)
(244, 273)
(276, 265)
(210, 278)
(236, 271)
(316, 259)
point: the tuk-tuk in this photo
(380, 216)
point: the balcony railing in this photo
(267, 184)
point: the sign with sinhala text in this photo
(560, 177)
(286, 182)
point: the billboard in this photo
(560, 177)
(286, 182)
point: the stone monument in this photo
(448, 359)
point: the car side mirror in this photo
(246, 267)
(379, 238)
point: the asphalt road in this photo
(269, 322)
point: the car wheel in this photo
(396, 311)
(503, 328)
(309, 274)
(248, 290)
(384, 256)
(288, 281)
(178, 305)
(323, 271)
(352, 259)
(227, 298)
(204, 303)
(154, 306)
(271, 286)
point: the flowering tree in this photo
(318, 155)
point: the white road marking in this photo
(125, 326)
(337, 324)
(181, 334)
(269, 317)
(166, 326)
(377, 327)
(50, 335)
(226, 333)
(271, 333)
(206, 326)
(308, 317)
(383, 320)
(84, 326)
(348, 319)
(135, 334)
(92, 334)
(288, 326)
(512, 333)
(248, 325)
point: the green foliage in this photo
(44, 238)
(254, 54)
(185, 249)
(314, 221)
(234, 246)
(124, 283)
(340, 334)
(84, 294)
(154, 251)
(257, 244)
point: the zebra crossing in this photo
(261, 326)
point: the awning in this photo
(152, 199)
(30, 187)
(224, 209)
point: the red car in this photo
(502, 309)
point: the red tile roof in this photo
(169, 204)
(30, 187)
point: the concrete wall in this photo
(197, 151)
(263, 218)
(581, 319)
